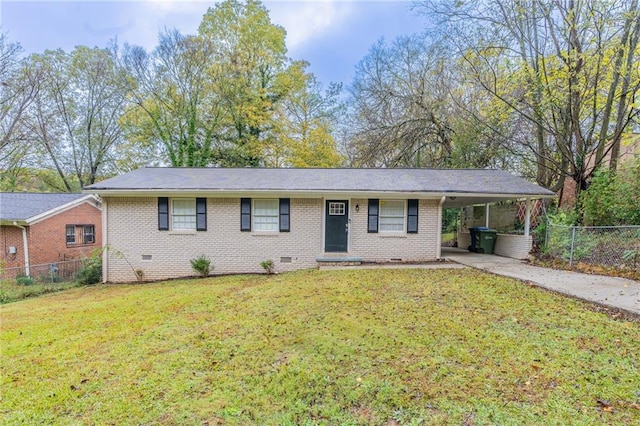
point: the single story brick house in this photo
(156, 219)
(37, 229)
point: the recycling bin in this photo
(483, 239)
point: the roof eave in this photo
(308, 193)
(63, 207)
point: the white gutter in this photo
(439, 233)
(306, 193)
(25, 244)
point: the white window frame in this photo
(173, 215)
(337, 208)
(85, 240)
(382, 216)
(269, 221)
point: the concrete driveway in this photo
(619, 293)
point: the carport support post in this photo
(527, 218)
(439, 238)
(486, 215)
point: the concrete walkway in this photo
(619, 293)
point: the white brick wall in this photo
(385, 246)
(514, 246)
(464, 240)
(132, 232)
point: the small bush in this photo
(267, 265)
(24, 280)
(201, 265)
(91, 272)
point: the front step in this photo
(339, 261)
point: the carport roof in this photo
(460, 186)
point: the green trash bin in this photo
(486, 240)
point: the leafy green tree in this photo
(251, 77)
(306, 125)
(175, 109)
(613, 197)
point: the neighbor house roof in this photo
(28, 207)
(329, 182)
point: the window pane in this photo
(71, 234)
(183, 214)
(391, 224)
(392, 215)
(89, 234)
(265, 215)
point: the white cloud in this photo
(308, 20)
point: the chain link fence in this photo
(56, 272)
(614, 246)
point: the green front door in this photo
(336, 233)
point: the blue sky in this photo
(332, 35)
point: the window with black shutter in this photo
(284, 214)
(245, 214)
(163, 213)
(374, 211)
(412, 216)
(201, 214)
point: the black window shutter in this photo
(284, 214)
(412, 216)
(372, 223)
(163, 213)
(245, 214)
(201, 214)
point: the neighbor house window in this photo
(89, 234)
(266, 215)
(80, 234)
(183, 213)
(392, 215)
(71, 234)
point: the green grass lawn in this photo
(337, 347)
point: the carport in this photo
(509, 245)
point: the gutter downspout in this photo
(25, 244)
(105, 247)
(439, 233)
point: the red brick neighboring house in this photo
(40, 229)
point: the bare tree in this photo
(75, 117)
(549, 62)
(19, 85)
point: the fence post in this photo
(573, 240)
(546, 236)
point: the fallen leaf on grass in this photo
(604, 406)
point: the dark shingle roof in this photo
(321, 180)
(25, 205)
